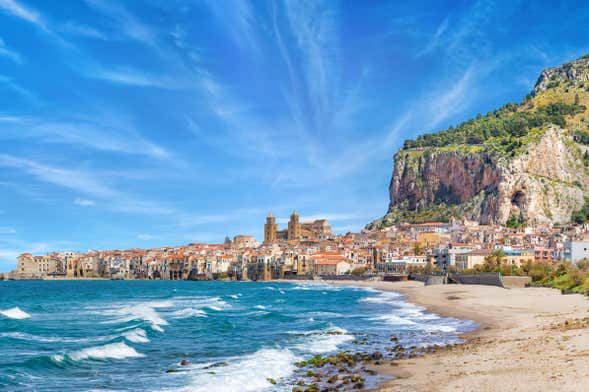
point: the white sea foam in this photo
(260, 307)
(394, 319)
(383, 298)
(214, 303)
(323, 341)
(136, 336)
(49, 339)
(142, 311)
(407, 314)
(245, 374)
(316, 287)
(108, 351)
(188, 313)
(196, 306)
(15, 313)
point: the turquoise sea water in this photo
(125, 335)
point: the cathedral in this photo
(295, 231)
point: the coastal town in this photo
(308, 249)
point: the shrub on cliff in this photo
(505, 128)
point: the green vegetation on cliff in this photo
(504, 130)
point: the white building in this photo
(574, 251)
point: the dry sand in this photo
(531, 339)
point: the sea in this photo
(235, 336)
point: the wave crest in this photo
(249, 373)
(117, 351)
(15, 313)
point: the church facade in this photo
(295, 230)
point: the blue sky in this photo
(139, 124)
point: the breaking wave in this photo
(15, 313)
(249, 373)
(116, 351)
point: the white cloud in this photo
(88, 183)
(449, 102)
(128, 24)
(83, 30)
(18, 89)
(314, 28)
(239, 19)
(435, 39)
(9, 54)
(18, 10)
(84, 202)
(30, 15)
(133, 77)
(114, 135)
(145, 237)
(74, 180)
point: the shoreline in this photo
(528, 339)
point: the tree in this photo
(494, 261)
(358, 271)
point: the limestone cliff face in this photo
(544, 184)
(431, 177)
(543, 179)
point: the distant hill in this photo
(521, 164)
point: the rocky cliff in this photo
(525, 163)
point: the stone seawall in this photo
(487, 279)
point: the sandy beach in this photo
(531, 339)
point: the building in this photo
(25, 264)
(246, 241)
(446, 257)
(270, 229)
(403, 264)
(294, 227)
(574, 251)
(319, 228)
(517, 258)
(471, 259)
(330, 263)
(29, 266)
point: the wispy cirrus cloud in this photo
(84, 202)
(314, 28)
(16, 9)
(239, 20)
(32, 16)
(83, 30)
(9, 54)
(104, 136)
(84, 182)
(133, 77)
(10, 84)
(434, 42)
(71, 179)
(450, 101)
(124, 21)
